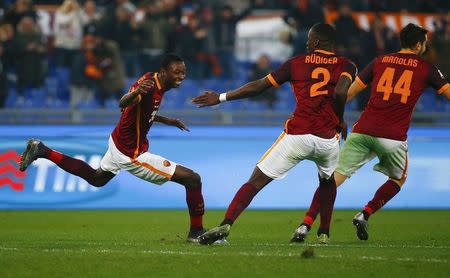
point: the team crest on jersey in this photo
(166, 163)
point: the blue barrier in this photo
(223, 156)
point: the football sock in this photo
(69, 164)
(240, 201)
(388, 190)
(196, 206)
(327, 196)
(313, 210)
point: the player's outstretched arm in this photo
(134, 96)
(253, 88)
(172, 122)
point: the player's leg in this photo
(274, 164)
(393, 163)
(355, 153)
(240, 202)
(326, 158)
(158, 170)
(314, 208)
(194, 199)
(36, 149)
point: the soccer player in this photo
(128, 144)
(398, 80)
(320, 81)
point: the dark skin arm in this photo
(251, 89)
(172, 122)
(135, 96)
(340, 98)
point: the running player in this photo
(128, 144)
(398, 80)
(320, 81)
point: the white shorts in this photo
(289, 150)
(150, 167)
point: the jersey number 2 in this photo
(325, 76)
(402, 86)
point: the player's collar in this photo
(158, 84)
(406, 52)
(324, 51)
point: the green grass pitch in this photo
(151, 243)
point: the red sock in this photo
(240, 202)
(72, 165)
(313, 210)
(196, 206)
(388, 190)
(327, 196)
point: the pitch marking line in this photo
(245, 254)
(357, 246)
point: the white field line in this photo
(362, 245)
(358, 246)
(245, 254)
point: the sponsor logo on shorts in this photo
(166, 163)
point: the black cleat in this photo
(216, 234)
(34, 150)
(362, 226)
(194, 235)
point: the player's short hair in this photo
(411, 34)
(325, 32)
(169, 59)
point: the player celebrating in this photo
(320, 81)
(398, 80)
(128, 144)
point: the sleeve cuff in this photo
(272, 81)
(360, 82)
(443, 88)
(348, 75)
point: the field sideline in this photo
(151, 243)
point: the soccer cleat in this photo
(194, 235)
(34, 150)
(362, 226)
(215, 234)
(222, 241)
(300, 234)
(323, 239)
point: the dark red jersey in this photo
(130, 134)
(313, 78)
(398, 80)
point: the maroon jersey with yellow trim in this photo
(398, 80)
(313, 78)
(130, 134)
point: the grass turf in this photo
(152, 243)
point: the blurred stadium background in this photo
(64, 64)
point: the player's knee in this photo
(327, 182)
(195, 181)
(399, 182)
(97, 182)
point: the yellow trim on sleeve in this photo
(360, 82)
(348, 75)
(443, 88)
(272, 80)
(158, 84)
